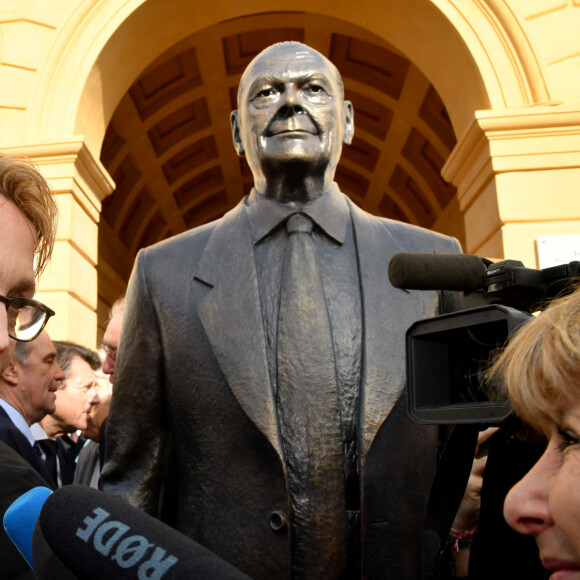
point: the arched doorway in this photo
(168, 146)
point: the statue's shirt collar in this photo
(329, 212)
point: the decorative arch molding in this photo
(502, 51)
(474, 40)
(519, 52)
(65, 75)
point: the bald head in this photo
(292, 121)
(275, 51)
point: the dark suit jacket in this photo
(68, 451)
(88, 459)
(193, 435)
(16, 478)
(11, 435)
(21, 470)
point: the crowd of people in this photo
(54, 396)
(57, 396)
(211, 425)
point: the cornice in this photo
(500, 141)
(69, 167)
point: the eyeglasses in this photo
(26, 317)
(110, 351)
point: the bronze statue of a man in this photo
(259, 402)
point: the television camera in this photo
(448, 355)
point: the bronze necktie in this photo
(309, 412)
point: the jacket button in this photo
(278, 520)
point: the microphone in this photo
(84, 533)
(20, 518)
(430, 271)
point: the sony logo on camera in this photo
(114, 540)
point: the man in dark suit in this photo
(27, 393)
(16, 478)
(90, 460)
(75, 398)
(214, 425)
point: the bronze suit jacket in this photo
(192, 435)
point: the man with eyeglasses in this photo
(28, 216)
(111, 338)
(27, 228)
(91, 457)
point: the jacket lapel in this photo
(26, 451)
(232, 319)
(388, 312)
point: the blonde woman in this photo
(541, 370)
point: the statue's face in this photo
(291, 111)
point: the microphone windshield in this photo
(430, 271)
(20, 518)
(96, 536)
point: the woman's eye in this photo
(567, 439)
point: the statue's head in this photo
(292, 116)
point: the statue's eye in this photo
(316, 93)
(265, 92)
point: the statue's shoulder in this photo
(174, 258)
(191, 243)
(409, 237)
(185, 242)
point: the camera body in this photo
(448, 356)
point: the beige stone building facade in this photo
(467, 116)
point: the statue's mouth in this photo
(294, 125)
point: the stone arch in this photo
(462, 51)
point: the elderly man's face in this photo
(291, 112)
(38, 379)
(78, 396)
(111, 343)
(100, 410)
(16, 266)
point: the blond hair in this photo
(21, 183)
(540, 367)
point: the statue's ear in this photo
(236, 133)
(10, 374)
(348, 123)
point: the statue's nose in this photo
(288, 110)
(290, 103)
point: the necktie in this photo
(308, 410)
(49, 447)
